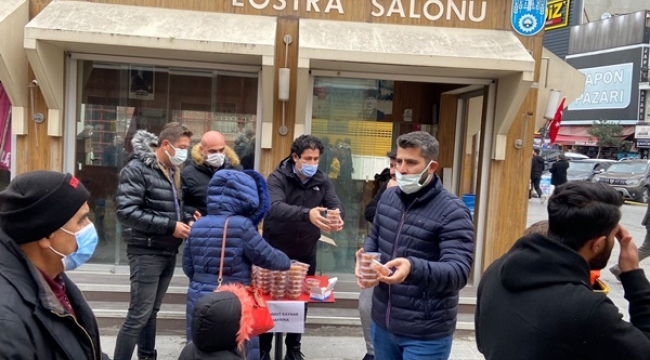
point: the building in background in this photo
(613, 55)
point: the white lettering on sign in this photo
(396, 7)
(606, 87)
(432, 9)
(279, 5)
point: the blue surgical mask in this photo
(410, 183)
(86, 243)
(308, 170)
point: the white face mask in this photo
(411, 183)
(215, 160)
(179, 158)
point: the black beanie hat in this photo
(38, 203)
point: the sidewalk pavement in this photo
(332, 343)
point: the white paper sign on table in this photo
(288, 316)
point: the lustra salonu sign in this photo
(462, 10)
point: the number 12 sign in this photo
(528, 16)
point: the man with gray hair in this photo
(425, 235)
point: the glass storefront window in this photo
(115, 100)
(5, 139)
(359, 121)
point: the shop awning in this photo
(473, 55)
(14, 14)
(147, 32)
(579, 135)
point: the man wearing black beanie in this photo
(44, 231)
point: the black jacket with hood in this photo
(535, 302)
(218, 326)
(34, 323)
(147, 205)
(558, 172)
(537, 167)
(287, 226)
(196, 176)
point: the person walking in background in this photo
(149, 203)
(431, 249)
(551, 274)
(536, 170)
(45, 231)
(559, 172)
(644, 250)
(241, 199)
(209, 156)
(300, 194)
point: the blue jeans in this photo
(150, 277)
(395, 347)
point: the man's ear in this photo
(45, 242)
(433, 167)
(597, 245)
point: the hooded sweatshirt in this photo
(536, 302)
(537, 167)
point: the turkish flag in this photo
(554, 128)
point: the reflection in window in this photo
(116, 100)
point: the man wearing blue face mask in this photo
(45, 231)
(300, 194)
(150, 206)
(426, 235)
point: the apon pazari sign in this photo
(433, 10)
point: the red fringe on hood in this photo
(246, 321)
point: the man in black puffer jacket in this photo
(149, 203)
(208, 157)
(426, 235)
(299, 193)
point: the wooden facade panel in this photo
(282, 143)
(508, 189)
(447, 131)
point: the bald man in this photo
(209, 156)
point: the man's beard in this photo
(600, 261)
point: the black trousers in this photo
(535, 180)
(291, 340)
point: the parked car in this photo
(586, 169)
(550, 156)
(629, 178)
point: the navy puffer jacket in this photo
(433, 229)
(243, 197)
